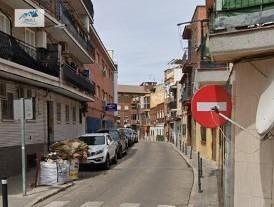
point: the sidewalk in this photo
(209, 195)
(34, 195)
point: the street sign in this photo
(205, 100)
(28, 108)
(111, 107)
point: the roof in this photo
(132, 89)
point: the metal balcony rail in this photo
(78, 80)
(186, 94)
(172, 105)
(24, 54)
(240, 4)
(89, 7)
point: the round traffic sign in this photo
(207, 98)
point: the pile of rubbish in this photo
(69, 149)
(61, 165)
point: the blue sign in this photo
(111, 107)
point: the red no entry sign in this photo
(207, 98)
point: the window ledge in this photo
(8, 120)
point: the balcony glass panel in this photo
(20, 52)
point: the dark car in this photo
(119, 138)
(129, 135)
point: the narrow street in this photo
(150, 175)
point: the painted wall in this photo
(253, 172)
(36, 130)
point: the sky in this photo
(143, 34)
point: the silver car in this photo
(102, 149)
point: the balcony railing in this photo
(186, 94)
(77, 79)
(172, 105)
(89, 7)
(20, 52)
(241, 4)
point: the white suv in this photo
(102, 149)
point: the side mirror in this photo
(108, 142)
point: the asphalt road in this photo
(151, 175)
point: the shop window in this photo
(58, 112)
(203, 135)
(7, 107)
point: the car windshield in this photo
(114, 135)
(93, 140)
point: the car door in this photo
(111, 146)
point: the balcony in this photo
(77, 79)
(186, 94)
(41, 60)
(60, 10)
(172, 105)
(241, 29)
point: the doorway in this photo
(50, 123)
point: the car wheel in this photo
(115, 158)
(107, 163)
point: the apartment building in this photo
(104, 75)
(129, 105)
(199, 71)
(45, 64)
(173, 74)
(244, 40)
(157, 113)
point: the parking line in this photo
(57, 204)
(130, 205)
(92, 204)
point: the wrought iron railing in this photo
(186, 94)
(24, 54)
(78, 79)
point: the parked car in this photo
(127, 135)
(136, 139)
(119, 138)
(102, 149)
(132, 135)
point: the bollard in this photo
(199, 175)
(185, 148)
(201, 167)
(5, 192)
(180, 145)
(190, 154)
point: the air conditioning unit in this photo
(41, 39)
(65, 48)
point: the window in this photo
(20, 92)
(184, 129)
(119, 107)
(4, 23)
(126, 107)
(58, 112)
(203, 135)
(74, 114)
(67, 113)
(7, 107)
(80, 116)
(97, 58)
(99, 92)
(3, 90)
(30, 37)
(30, 96)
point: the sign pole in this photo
(23, 150)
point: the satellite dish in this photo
(265, 110)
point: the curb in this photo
(195, 174)
(50, 194)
